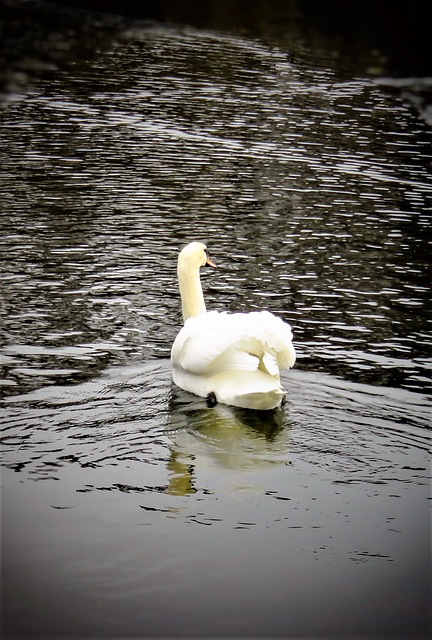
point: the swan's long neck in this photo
(191, 292)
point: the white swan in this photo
(232, 358)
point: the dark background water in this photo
(370, 37)
(370, 33)
(131, 144)
(296, 142)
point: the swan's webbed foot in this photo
(211, 400)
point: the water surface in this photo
(130, 508)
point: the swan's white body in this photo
(235, 356)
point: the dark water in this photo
(130, 509)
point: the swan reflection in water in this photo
(225, 437)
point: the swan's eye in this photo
(208, 260)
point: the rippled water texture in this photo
(142, 512)
(312, 191)
(131, 508)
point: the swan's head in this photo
(194, 256)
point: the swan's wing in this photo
(217, 341)
(206, 338)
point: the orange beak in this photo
(208, 261)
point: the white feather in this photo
(237, 356)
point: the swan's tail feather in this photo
(248, 389)
(260, 400)
(253, 389)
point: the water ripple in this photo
(312, 191)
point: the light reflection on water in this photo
(312, 190)
(153, 488)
